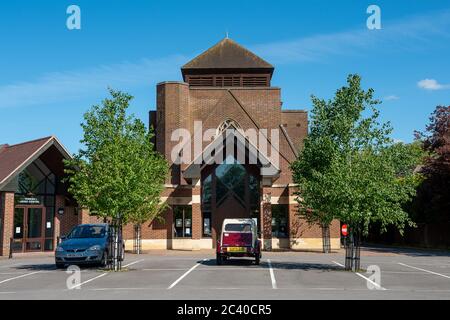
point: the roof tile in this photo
(11, 157)
(227, 54)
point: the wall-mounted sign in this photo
(17, 229)
(28, 200)
(49, 225)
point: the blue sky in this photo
(50, 76)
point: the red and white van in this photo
(239, 238)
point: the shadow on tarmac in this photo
(412, 252)
(233, 262)
(51, 266)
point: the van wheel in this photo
(104, 261)
(122, 255)
(219, 259)
(257, 259)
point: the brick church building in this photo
(228, 89)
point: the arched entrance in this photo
(229, 190)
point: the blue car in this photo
(86, 244)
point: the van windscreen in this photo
(238, 227)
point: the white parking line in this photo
(368, 280)
(103, 274)
(130, 264)
(360, 275)
(87, 281)
(184, 275)
(432, 272)
(161, 269)
(272, 275)
(10, 273)
(339, 264)
(21, 276)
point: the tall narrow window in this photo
(182, 221)
(280, 218)
(207, 224)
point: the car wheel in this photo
(257, 259)
(219, 259)
(59, 265)
(104, 261)
(122, 255)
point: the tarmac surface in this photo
(180, 275)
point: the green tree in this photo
(117, 174)
(432, 203)
(350, 169)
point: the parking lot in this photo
(405, 274)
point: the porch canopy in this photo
(232, 141)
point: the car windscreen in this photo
(88, 232)
(238, 227)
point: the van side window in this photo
(238, 227)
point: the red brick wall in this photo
(84, 217)
(266, 214)
(1, 221)
(178, 106)
(152, 229)
(196, 215)
(7, 222)
(296, 124)
(66, 221)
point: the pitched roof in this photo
(267, 167)
(227, 54)
(16, 157)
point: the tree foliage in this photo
(118, 174)
(350, 169)
(432, 203)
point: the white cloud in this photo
(59, 87)
(391, 97)
(432, 84)
(408, 34)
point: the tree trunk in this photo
(117, 245)
(326, 244)
(137, 239)
(349, 247)
(353, 250)
(357, 251)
